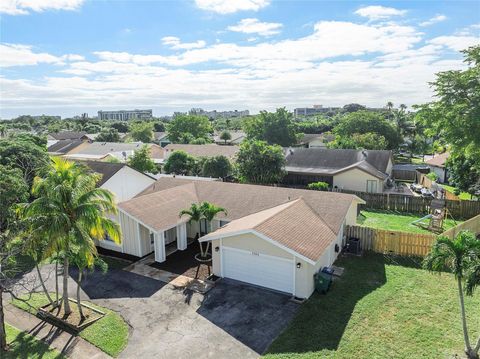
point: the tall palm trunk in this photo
(3, 332)
(202, 252)
(80, 271)
(56, 281)
(66, 303)
(43, 284)
(468, 347)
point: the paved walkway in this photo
(68, 344)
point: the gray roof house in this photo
(355, 170)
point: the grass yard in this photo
(382, 307)
(395, 221)
(463, 195)
(110, 334)
(23, 345)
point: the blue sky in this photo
(67, 57)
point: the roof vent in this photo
(365, 153)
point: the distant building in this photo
(218, 114)
(315, 110)
(125, 115)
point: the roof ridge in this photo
(319, 217)
(290, 203)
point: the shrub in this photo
(432, 176)
(318, 186)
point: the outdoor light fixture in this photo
(337, 248)
(299, 265)
(217, 249)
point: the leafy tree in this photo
(455, 114)
(24, 154)
(353, 107)
(120, 126)
(142, 162)
(185, 128)
(463, 173)
(159, 127)
(461, 256)
(13, 190)
(108, 135)
(199, 141)
(217, 167)
(142, 131)
(273, 127)
(92, 128)
(180, 162)
(367, 141)
(259, 162)
(318, 124)
(40, 141)
(225, 136)
(366, 121)
(71, 212)
(318, 186)
(432, 176)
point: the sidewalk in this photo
(68, 344)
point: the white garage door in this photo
(266, 271)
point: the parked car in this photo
(426, 193)
(415, 187)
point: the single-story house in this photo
(437, 165)
(271, 237)
(161, 138)
(315, 140)
(101, 151)
(62, 147)
(67, 135)
(237, 138)
(209, 150)
(355, 170)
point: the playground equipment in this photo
(438, 213)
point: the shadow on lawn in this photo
(321, 321)
(25, 344)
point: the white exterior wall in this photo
(440, 173)
(304, 285)
(355, 180)
(127, 183)
(389, 167)
(351, 218)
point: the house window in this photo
(372, 186)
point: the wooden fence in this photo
(412, 204)
(472, 225)
(400, 243)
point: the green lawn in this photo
(463, 195)
(382, 307)
(23, 345)
(110, 333)
(395, 221)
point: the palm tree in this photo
(461, 256)
(75, 212)
(195, 214)
(210, 211)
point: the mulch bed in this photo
(184, 263)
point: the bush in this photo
(456, 192)
(432, 176)
(318, 186)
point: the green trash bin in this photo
(323, 281)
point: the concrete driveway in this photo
(232, 320)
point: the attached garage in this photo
(258, 268)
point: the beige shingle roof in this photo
(209, 150)
(439, 160)
(293, 225)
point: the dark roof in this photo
(68, 135)
(106, 169)
(332, 161)
(64, 146)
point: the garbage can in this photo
(323, 281)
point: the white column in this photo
(182, 236)
(159, 239)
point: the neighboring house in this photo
(101, 151)
(272, 237)
(237, 138)
(209, 150)
(314, 140)
(437, 165)
(355, 170)
(161, 138)
(62, 147)
(67, 135)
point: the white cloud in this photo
(255, 26)
(376, 12)
(434, 20)
(454, 42)
(231, 6)
(22, 55)
(175, 43)
(23, 7)
(73, 57)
